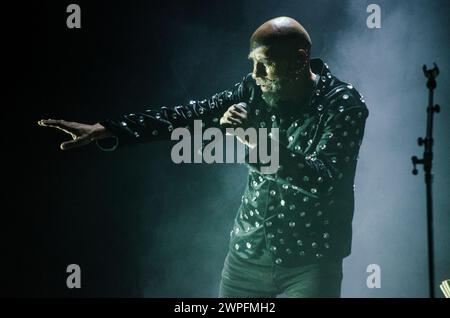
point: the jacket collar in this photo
(319, 67)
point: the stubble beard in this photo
(274, 95)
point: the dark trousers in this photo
(263, 279)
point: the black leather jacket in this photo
(302, 213)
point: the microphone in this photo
(245, 106)
(223, 127)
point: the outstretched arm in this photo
(154, 124)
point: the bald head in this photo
(280, 51)
(282, 35)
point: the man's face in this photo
(266, 72)
(273, 75)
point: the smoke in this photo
(189, 239)
(390, 216)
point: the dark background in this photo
(141, 226)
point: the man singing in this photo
(293, 228)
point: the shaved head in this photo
(280, 51)
(282, 35)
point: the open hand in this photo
(82, 134)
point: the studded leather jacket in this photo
(302, 213)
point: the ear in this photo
(303, 55)
(300, 63)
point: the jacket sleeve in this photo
(317, 169)
(157, 124)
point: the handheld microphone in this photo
(245, 106)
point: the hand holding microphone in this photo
(235, 116)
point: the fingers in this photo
(235, 121)
(80, 137)
(239, 108)
(236, 114)
(78, 142)
(67, 127)
(228, 118)
(60, 124)
(227, 122)
(57, 123)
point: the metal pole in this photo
(427, 161)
